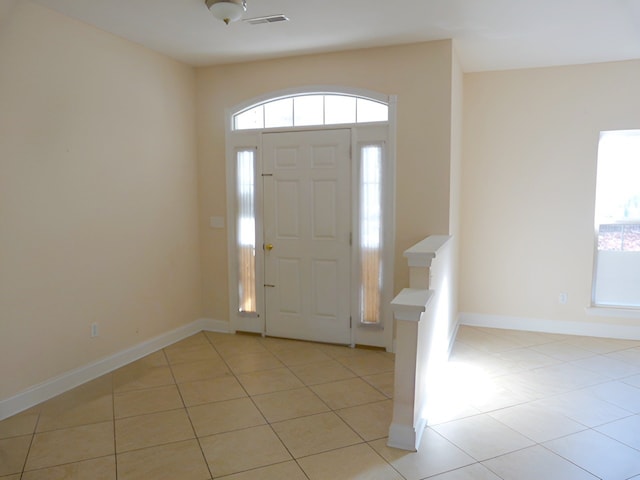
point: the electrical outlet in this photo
(94, 329)
(562, 298)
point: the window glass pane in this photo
(253, 118)
(618, 191)
(370, 111)
(617, 273)
(279, 113)
(246, 231)
(308, 110)
(339, 109)
(370, 232)
(619, 237)
(618, 187)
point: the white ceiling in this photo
(489, 34)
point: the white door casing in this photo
(378, 133)
(307, 230)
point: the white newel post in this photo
(423, 334)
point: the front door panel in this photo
(307, 221)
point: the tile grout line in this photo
(33, 437)
(186, 411)
(531, 400)
(308, 387)
(569, 460)
(576, 389)
(335, 412)
(262, 414)
(115, 446)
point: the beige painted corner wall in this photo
(98, 203)
(455, 193)
(529, 171)
(419, 74)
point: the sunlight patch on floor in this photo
(458, 386)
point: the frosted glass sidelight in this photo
(370, 220)
(246, 230)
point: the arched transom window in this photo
(309, 110)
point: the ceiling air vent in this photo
(267, 19)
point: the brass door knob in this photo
(268, 247)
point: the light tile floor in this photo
(515, 406)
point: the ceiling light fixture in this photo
(227, 10)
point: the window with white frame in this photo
(370, 117)
(311, 109)
(370, 227)
(616, 280)
(246, 230)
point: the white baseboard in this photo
(452, 338)
(71, 379)
(587, 329)
(405, 437)
(211, 325)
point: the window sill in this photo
(620, 312)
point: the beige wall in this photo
(455, 194)
(529, 169)
(419, 74)
(457, 119)
(98, 204)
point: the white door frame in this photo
(374, 335)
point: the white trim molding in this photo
(423, 252)
(73, 378)
(384, 133)
(411, 303)
(618, 312)
(305, 90)
(425, 323)
(565, 327)
(406, 437)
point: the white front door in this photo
(307, 230)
